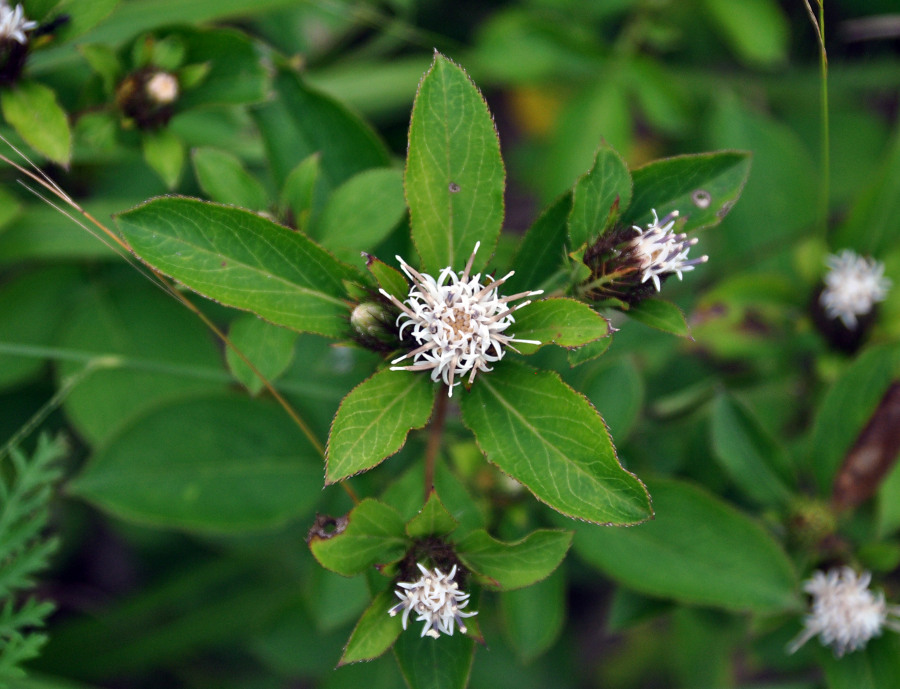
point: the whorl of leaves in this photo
(26, 487)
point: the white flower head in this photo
(844, 613)
(162, 88)
(458, 322)
(853, 285)
(13, 23)
(659, 251)
(436, 599)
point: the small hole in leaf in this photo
(454, 187)
(701, 198)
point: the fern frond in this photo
(26, 488)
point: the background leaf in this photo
(846, 408)
(303, 121)
(223, 178)
(533, 616)
(236, 465)
(454, 173)
(32, 110)
(361, 212)
(755, 462)
(687, 553)
(269, 347)
(428, 663)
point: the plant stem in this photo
(434, 440)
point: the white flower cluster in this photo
(660, 251)
(436, 599)
(458, 322)
(852, 286)
(162, 88)
(844, 613)
(13, 23)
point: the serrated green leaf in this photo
(599, 197)
(31, 109)
(534, 616)
(688, 553)
(538, 430)
(373, 420)
(242, 260)
(559, 321)
(375, 632)
(753, 459)
(589, 352)
(237, 466)
(362, 212)
(269, 348)
(701, 187)
(428, 663)
(223, 178)
(164, 152)
(372, 533)
(389, 279)
(846, 408)
(542, 252)
(662, 315)
(432, 520)
(508, 566)
(454, 174)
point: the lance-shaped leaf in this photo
(599, 196)
(559, 321)
(373, 420)
(847, 407)
(375, 632)
(454, 173)
(545, 435)
(534, 616)
(223, 178)
(389, 279)
(432, 520)
(701, 187)
(372, 533)
(428, 663)
(662, 315)
(243, 260)
(697, 550)
(508, 566)
(754, 460)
